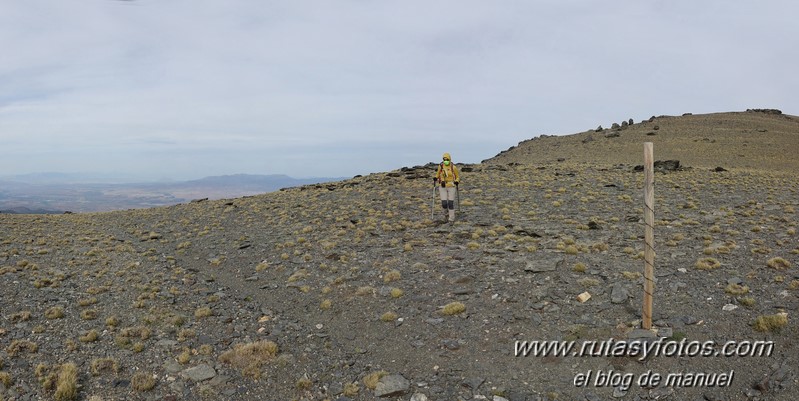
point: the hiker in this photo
(447, 175)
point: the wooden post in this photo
(649, 235)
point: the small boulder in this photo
(619, 294)
(199, 373)
(392, 385)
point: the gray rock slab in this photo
(392, 385)
(199, 373)
(619, 294)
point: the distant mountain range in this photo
(58, 193)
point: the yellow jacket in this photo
(447, 174)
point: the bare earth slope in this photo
(349, 291)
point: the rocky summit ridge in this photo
(351, 291)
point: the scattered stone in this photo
(765, 111)
(719, 169)
(665, 332)
(392, 385)
(584, 297)
(199, 373)
(540, 266)
(619, 294)
(473, 382)
(641, 333)
(172, 366)
(418, 397)
(729, 307)
(667, 165)
(120, 383)
(734, 280)
(662, 166)
(660, 393)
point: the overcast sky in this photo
(180, 89)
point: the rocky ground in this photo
(351, 291)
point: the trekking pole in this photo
(458, 197)
(433, 208)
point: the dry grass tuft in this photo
(736, 289)
(453, 308)
(20, 317)
(140, 332)
(631, 275)
(203, 312)
(250, 357)
(184, 357)
(101, 365)
(17, 346)
(142, 382)
(112, 321)
(393, 275)
(351, 389)
(365, 290)
(5, 379)
(388, 317)
(303, 383)
(326, 304)
(707, 264)
(90, 336)
(56, 312)
(778, 263)
(771, 323)
(588, 282)
(67, 383)
(747, 302)
(370, 380)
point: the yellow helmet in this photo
(447, 157)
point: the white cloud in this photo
(178, 83)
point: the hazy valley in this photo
(53, 193)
